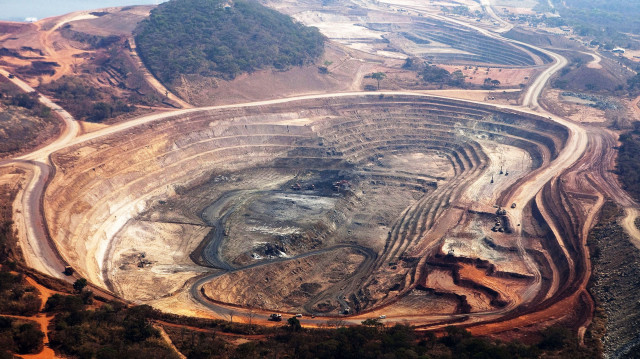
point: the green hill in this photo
(216, 38)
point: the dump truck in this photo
(275, 317)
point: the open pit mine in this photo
(402, 204)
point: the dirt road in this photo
(61, 54)
(634, 106)
(595, 63)
(488, 8)
(151, 80)
(629, 224)
(42, 320)
(39, 252)
(222, 310)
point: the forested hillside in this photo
(628, 165)
(216, 38)
(608, 21)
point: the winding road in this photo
(38, 249)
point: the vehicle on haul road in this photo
(275, 317)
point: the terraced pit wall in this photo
(101, 187)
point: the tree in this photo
(372, 322)
(136, 326)
(456, 78)
(28, 338)
(408, 63)
(294, 324)
(251, 315)
(336, 323)
(634, 82)
(100, 112)
(489, 83)
(79, 284)
(231, 313)
(45, 111)
(378, 76)
(25, 100)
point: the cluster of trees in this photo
(628, 164)
(607, 21)
(7, 234)
(634, 83)
(437, 75)
(25, 100)
(23, 119)
(111, 331)
(216, 38)
(461, 10)
(115, 331)
(374, 340)
(16, 298)
(85, 101)
(490, 84)
(19, 336)
(95, 41)
(29, 101)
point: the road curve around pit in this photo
(39, 251)
(488, 8)
(196, 290)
